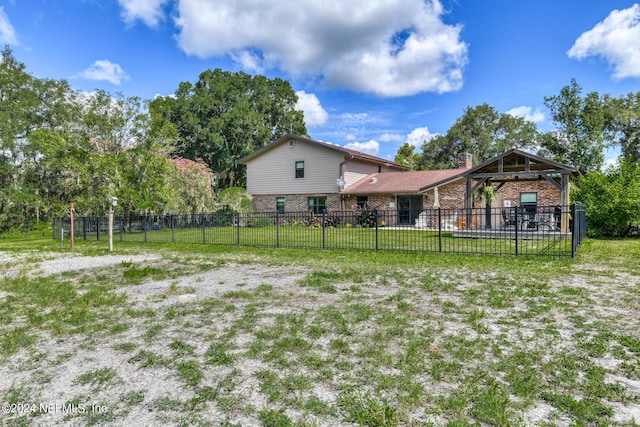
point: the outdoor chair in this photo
(508, 220)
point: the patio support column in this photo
(468, 205)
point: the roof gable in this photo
(519, 164)
(344, 151)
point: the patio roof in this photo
(515, 165)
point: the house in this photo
(295, 174)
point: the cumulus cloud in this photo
(384, 47)
(148, 11)
(420, 135)
(314, 114)
(391, 137)
(105, 70)
(7, 32)
(371, 147)
(525, 112)
(615, 40)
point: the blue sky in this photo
(369, 75)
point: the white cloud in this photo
(314, 114)
(615, 40)
(148, 11)
(385, 47)
(372, 147)
(525, 112)
(105, 70)
(7, 32)
(420, 135)
(391, 137)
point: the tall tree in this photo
(579, 137)
(407, 156)
(225, 116)
(481, 131)
(622, 117)
(29, 109)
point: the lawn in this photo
(184, 334)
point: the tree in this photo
(225, 116)
(622, 118)
(407, 157)
(191, 185)
(30, 110)
(481, 131)
(579, 137)
(612, 199)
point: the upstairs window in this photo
(300, 169)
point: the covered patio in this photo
(515, 166)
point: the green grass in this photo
(347, 238)
(364, 338)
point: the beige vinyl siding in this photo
(273, 172)
(355, 170)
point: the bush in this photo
(612, 199)
(258, 220)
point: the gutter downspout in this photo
(341, 175)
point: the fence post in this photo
(238, 227)
(439, 229)
(515, 209)
(173, 236)
(322, 225)
(277, 230)
(144, 227)
(574, 240)
(121, 227)
(375, 213)
(203, 217)
(98, 228)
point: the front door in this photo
(409, 207)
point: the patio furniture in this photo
(546, 222)
(508, 220)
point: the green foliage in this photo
(191, 186)
(481, 131)
(236, 199)
(612, 199)
(259, 220)
(622, 119)
(225, 116)
(407, 157)
(579, 137)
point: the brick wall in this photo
(548, 195)
(293, 202)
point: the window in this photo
(528, 198)
(300, 169)
(362, 202)
(280, 204)
(529, 203)
(317, 205)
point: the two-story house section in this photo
(295, 174)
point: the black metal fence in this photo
(537, 230)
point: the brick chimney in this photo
(465, 161)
